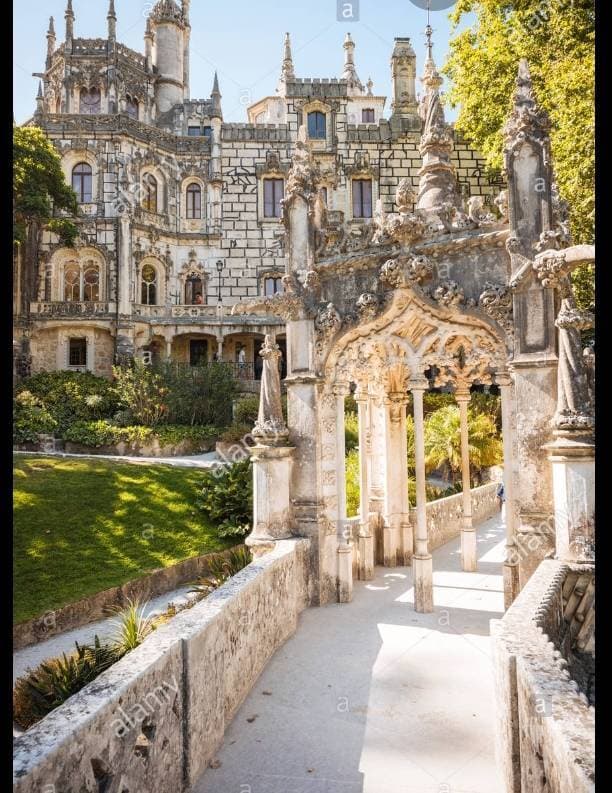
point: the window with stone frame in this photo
(90, 101)
(273, 285)
(207, 132)
(194, 131)
(91, 282)
(82, 282)
(274, 190)
(131, 106)
(194, 201)
(317, 125)
(149, 198)
(82, 182)
(324, 195)
(195, 290)
(367, 115)
(77, 352)
(362, 198)
(148, 285)
(72, 282)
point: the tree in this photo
(558, 39)
(443, 441)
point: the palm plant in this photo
(443, 441)
(132, 627)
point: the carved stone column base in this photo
(273, 517)
(345, 573)
(423, 584)
(391, 537)
(469, 562)
(511, 583)
(366, 557)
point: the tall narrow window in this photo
(194, 291)
(194, 201)
(149, 285)
(272, 286)
(273, 193)
(316, 125)
(77, 352)
(367, 116)
(131, 105)
(90, 101)
(324, 195)
(149, 201)
(362, 198)
(91, 283)
(72, 283)
(82, 182)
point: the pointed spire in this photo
(112, 21)
(370, 85)
(215, 97)
(51, 31)
(69, 17)
(148, 42)
(431, 78)
(186, 8)
(40, 102)
(350, 73)
(40, 90)
(50, 41)
(287, 71)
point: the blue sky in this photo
(242, 39)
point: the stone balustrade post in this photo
(422, 560)
(366, 540)
(396, 479)
(511, 564)
(468, 534)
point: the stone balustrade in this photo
(545, 726)
(155, 720)
(69, 309)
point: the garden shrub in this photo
(227, 498)
(351, 431)
(352, 483)
(238, 433)
(142, 391)
(30, 418)
(222, 567)
(107, 433)
(198, 394)
(72, 396)
(246, 410)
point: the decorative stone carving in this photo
(328, 320)
(392, 273)
(270, 425)
(448, 293)
(405, 196)
(501, 202)
(476, 213)
(527, 121)
(303, 177)
(496, 301)
(367, 306)
(402, 272)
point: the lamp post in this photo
(220, 265)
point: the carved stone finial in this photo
(270, 426)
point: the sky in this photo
(243, 41)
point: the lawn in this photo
(82, 526)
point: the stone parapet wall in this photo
(444, 515)
(544, 727)
(155, 719)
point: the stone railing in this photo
(194, 312)
(69, 309)
(545, 726)
(444, 515)
(155, 719)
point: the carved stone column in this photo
(396, 478)
(272, 461)
(366, 540)
(468, 534)
(511, 565)
(422, 561)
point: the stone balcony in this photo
(176, 312)
(70, 309)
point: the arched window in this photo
(194, 291)
(91, 283)
(131, 106)
(316, 125)
(82, 182)
(72, 282)
(194, 201)
(91, 101)
(273, 286)
(149, 200)
(149, 285)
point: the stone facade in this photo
(128, 116)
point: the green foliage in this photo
(54, 681)
(443, 440)
(173, 434)
(558, 41)
(227, 498)
(352, 483)
(247, 410)
(142, 391)
(350, 405)
(236, 433)
(103, 433)
(39, 185)
(71, 396)
(197, 394)
(30, 418)
(351, 431)
(222, 567)
(131, 627)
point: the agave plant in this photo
(132, 627)
(221, 567)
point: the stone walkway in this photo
(371, 697)
(207, 460)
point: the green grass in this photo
(83, 526)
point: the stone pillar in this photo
(366, 540)
(396, 477)
(272, 461)
(511, 565)
(422, 561)
(468, 534)
(168, 349)
(345, 573)
(341, 390)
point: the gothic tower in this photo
(170, 28)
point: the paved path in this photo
(207, 460)
(371, 697)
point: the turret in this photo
(168, 26)
(112, 22)
(350, 72)
(186, 42)
(403, 75)
(69, 17)
(215, 99)
(51, 41)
